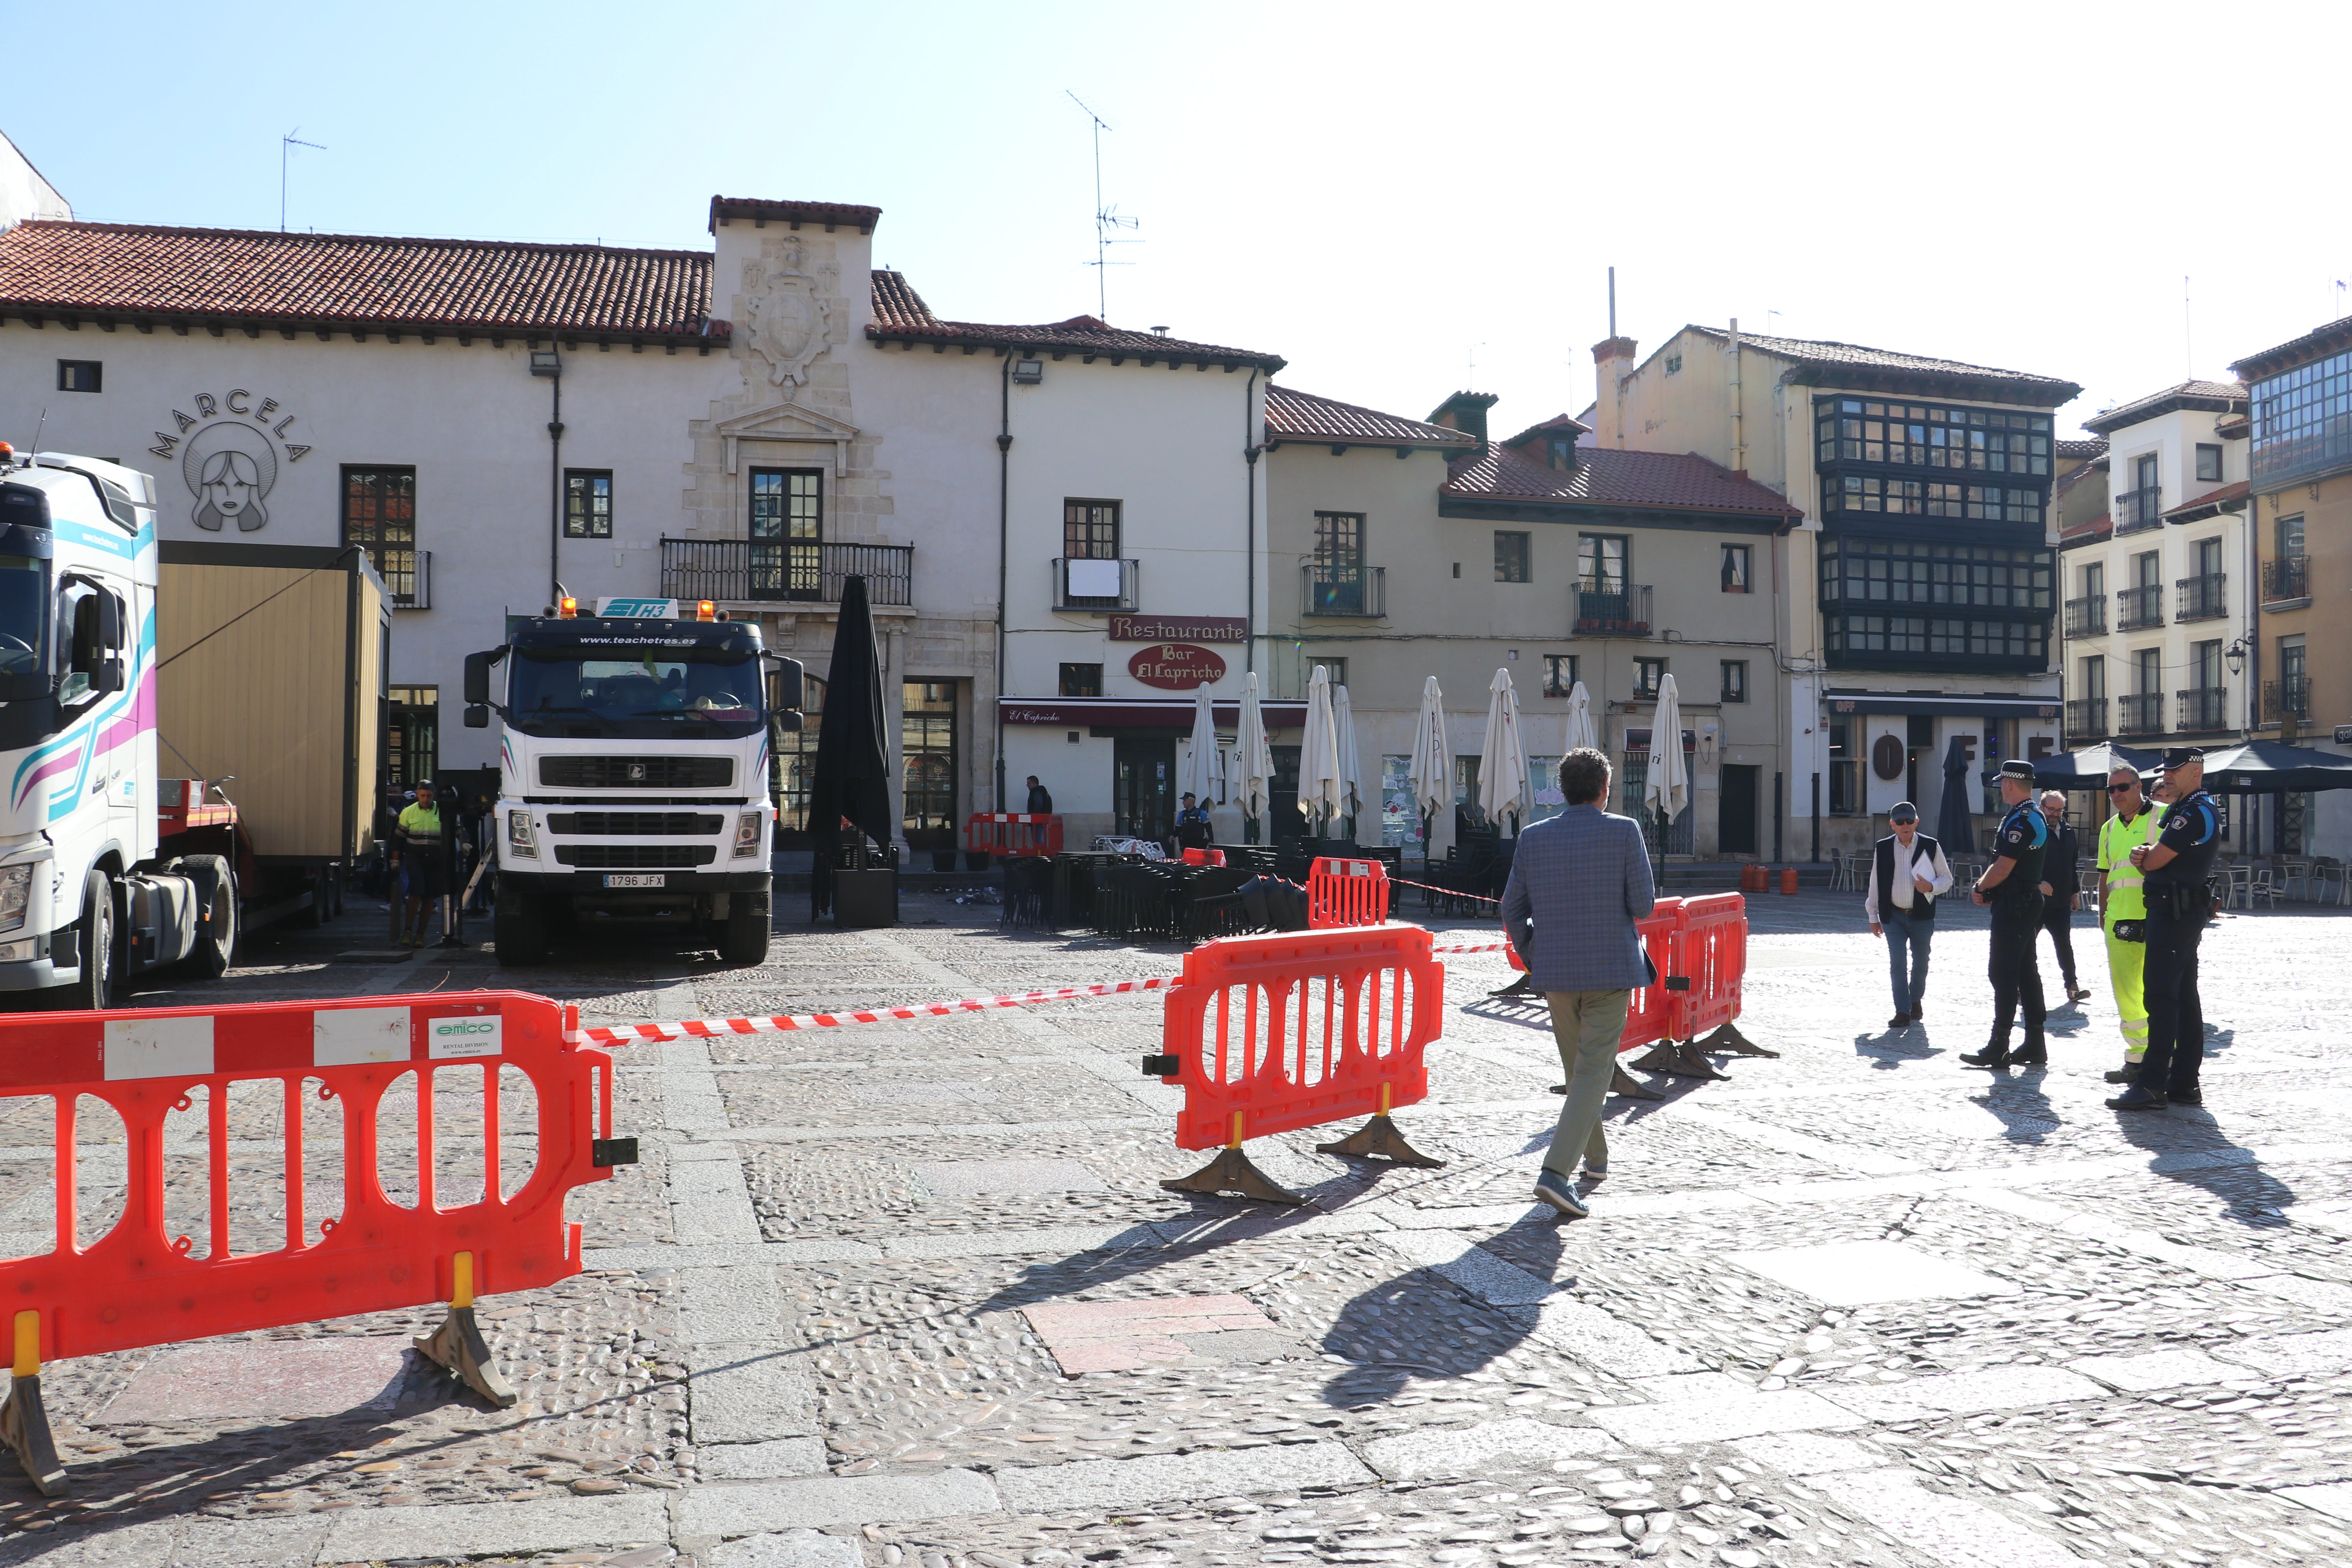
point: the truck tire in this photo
(216, 939)
(745, 943)
(518, 932)
(100, 986)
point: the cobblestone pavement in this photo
(912, 1294)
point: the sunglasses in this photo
(2119, 788)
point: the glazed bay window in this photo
(1929, 436)
(587, 503)
(2303, 419)
(1911, 642)
(1559, 674)
(1867, 571)
(1865, 493)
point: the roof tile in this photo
(1293, 414)
(1606, 476)
(899, 313)
(1827, 354)
(2232, 395)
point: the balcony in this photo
(408, 578)
(2286, 580)
(1356, 593)
(2286, 698)
(741, 570)
(2200, 598)
(1082, 585)
(2086, 718)
(2088, 617)
(2141, 715)
(2139, 608)
(2136, 511)
(2201, 707)
(1605, 609)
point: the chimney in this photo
(1612, 362)
(1465, 411)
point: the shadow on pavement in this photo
(1421, 1322)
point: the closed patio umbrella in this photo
(852, 778)
(1351, 765)
(1666, 790)
(1954, 826)
(1430, 771)
(1581, 733)
(1319, 759)
(1502, 760)
(1204, 765)
(1256, 763)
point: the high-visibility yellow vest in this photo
(2117, 839)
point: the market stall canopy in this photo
(2255, 766)
(2088, 768)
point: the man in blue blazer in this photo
(1579, 883)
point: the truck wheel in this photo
(216, 941)
(100, 986)
(520, 930)
(746, 942)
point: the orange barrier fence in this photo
(442, 1132)
(1205, 858)
(1013, 833)
(1345, 893)
(1270, 1034)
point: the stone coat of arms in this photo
(788, 315)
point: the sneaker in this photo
(2137, 1099)
(1990, 1057)
(2186, 1096)
(1592, 1175)
(1552, 1188)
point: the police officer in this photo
(2012, 886)
(2123, 910)
(2175, 867)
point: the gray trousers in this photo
(1586, 1024)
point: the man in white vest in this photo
(1907, 874)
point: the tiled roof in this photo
(725, 209)
(2208, 503)
(2205, 396)
(2081, 451)
(2077, 474)
(2098, 528)
(900, 316)
(1303, 416)
(1832, 360)
(1557, 425)
(1606, 477)
(217, 276)
(2313, 345)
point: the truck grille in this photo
(635, 856)
(636, 772)
(603, 823)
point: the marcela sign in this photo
(1176, 666)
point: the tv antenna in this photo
(286, 145)
(1107, 221)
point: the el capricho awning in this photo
(1140, 712)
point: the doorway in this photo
(1736, 834)
(1143, 781)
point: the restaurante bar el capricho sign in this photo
(1177, 628)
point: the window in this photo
(787, 526)
(2147, 569)
(793, 767)
(1736, 561)
(1601, 561)
(2205, 661)
(2147, 670)
(1559, 674)
(1399, 817)
(2303, 418)
(926, 750)
(2094, 677)
(1903, 571)
(1336, 578)
(1561, 451)
(380, 517)
(1926, 498)
(414, 735)
(2208, 462)
(587, 503)
(2144, 472)
(1544, 797)
(2290, 537)
(1090, 529)
(2094, 579)
(1336, 670)
(1864, 639)
(1845, 770)
(1735, 681)
(1513, 557)
(1648, 673)
(79, 374)
(1673, 364)
(1082, 680)
(1466, 787)
(1860, 430)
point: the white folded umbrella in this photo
(1256, 763)
(1203, 766)
(1503, 761)
(1319, 759)
(1666, 790)
(1430, 771)
(1351, 766)
(1579, 719)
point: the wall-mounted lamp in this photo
(2236, 656)
(545, 362)
(1028, 372)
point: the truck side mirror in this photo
(106, 676)
(477, 684)
(477, 716)
(786, 688)
(109, 623)
(787, 724)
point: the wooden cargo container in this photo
(271, 667)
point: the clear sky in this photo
(1401, 200)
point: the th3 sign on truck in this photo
(257, 670)
(632, 772)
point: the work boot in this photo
(2186, 1096)
(2123, 1073)
(2036, 1053)
(2075, 992)
(1995, 1054)
(2137, 1099)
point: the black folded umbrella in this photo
(1954, 827)
(851, 783)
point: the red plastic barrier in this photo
(1650, 1017)
(1710, 948)
(1013, 833)
(256, 1069)
(1205, 858)
(1269, 1034)
(1345, 893)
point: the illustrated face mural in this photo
(230, 469)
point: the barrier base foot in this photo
(1729, 1040)
(1379, 1140)
(1230, 1172)
(25, 1426)
(458, 1347)
(1632, 1088)
(1686, 1060)
(1661, 1057)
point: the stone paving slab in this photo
(1132, 1483)
(1485, 1449)
(749, 1393)
(477, 1530)
(1472, 1267)
(1809, 1453)
(772, 1460)
(1968, 1392)
(789, 1548)
(2157, 1370)
(1718, 1419)
(1854, 1273)
(278, 1379)
(1124, 1336)
(1958, 1530)
(761, 1508)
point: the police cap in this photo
(2180, 757)
(2017, 768)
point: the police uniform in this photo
(2016, 905)
(2178, 908)
(2126, 961)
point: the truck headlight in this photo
(747, 835)
(15, 896)
(521, 842)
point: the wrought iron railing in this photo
(2289, 577)
(2201, 597)
(1612, 609)
(2087, 616)
(2086, 718)
(408, 578)
(2282, 697)
(2141, 714)
(2139, 607)
(741, 571)
(2138, 510)
(1326, 589)
(2203, 707)
(1075, 587)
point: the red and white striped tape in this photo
(1496, 946)
(706, 1029)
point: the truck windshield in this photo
(664, 692)
(24, 606)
